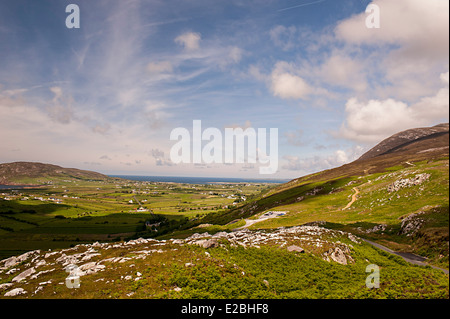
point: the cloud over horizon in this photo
(135, 70)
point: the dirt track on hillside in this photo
(354, 198)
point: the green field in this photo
(66, 212)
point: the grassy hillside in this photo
(31, 173)
(377, 197)
(245, 264)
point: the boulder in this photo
(338, 256)
(295, 248)
(206, 243)
(15, 292)
(24, 275)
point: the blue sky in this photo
(106, 96)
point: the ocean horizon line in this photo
(198, 179)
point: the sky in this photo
(107, 95)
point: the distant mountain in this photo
(413, 145)
(24, 173)
(408, 137)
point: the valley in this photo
(312, 237)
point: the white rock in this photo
(15, 292)
(6, 285)
(24, 275)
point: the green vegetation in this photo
(315, 198)
(235, 272)
(67, 212)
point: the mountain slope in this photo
(29, 173)
(399, 197)
(404, 138)
(423, 145)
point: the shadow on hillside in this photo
(14, 207)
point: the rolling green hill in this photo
(402, 186)
(31, 173)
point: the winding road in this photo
(409, 257)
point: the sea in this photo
(199, 180)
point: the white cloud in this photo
(189, 40)
(375, 120)
(408, 50)
(319, 163)
(287, 85)
(445, 78)
(421, 27)
(404, 60)
(342, 70)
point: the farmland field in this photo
(68, 212)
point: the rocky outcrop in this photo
(24, 275)
(411, 224)
(27, 270)
(407, 182)
(206, 243)
(15, 260)
(376, 228)
(15, 292)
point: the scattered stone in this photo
(41, 262)
(15, 292)
(41, 272)
(13, 261)
(206, 243)
(411, 224)
(295, 248)
(376, 228)
(5, 286)
(24, 275)
(407, 182)
(337, 255)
